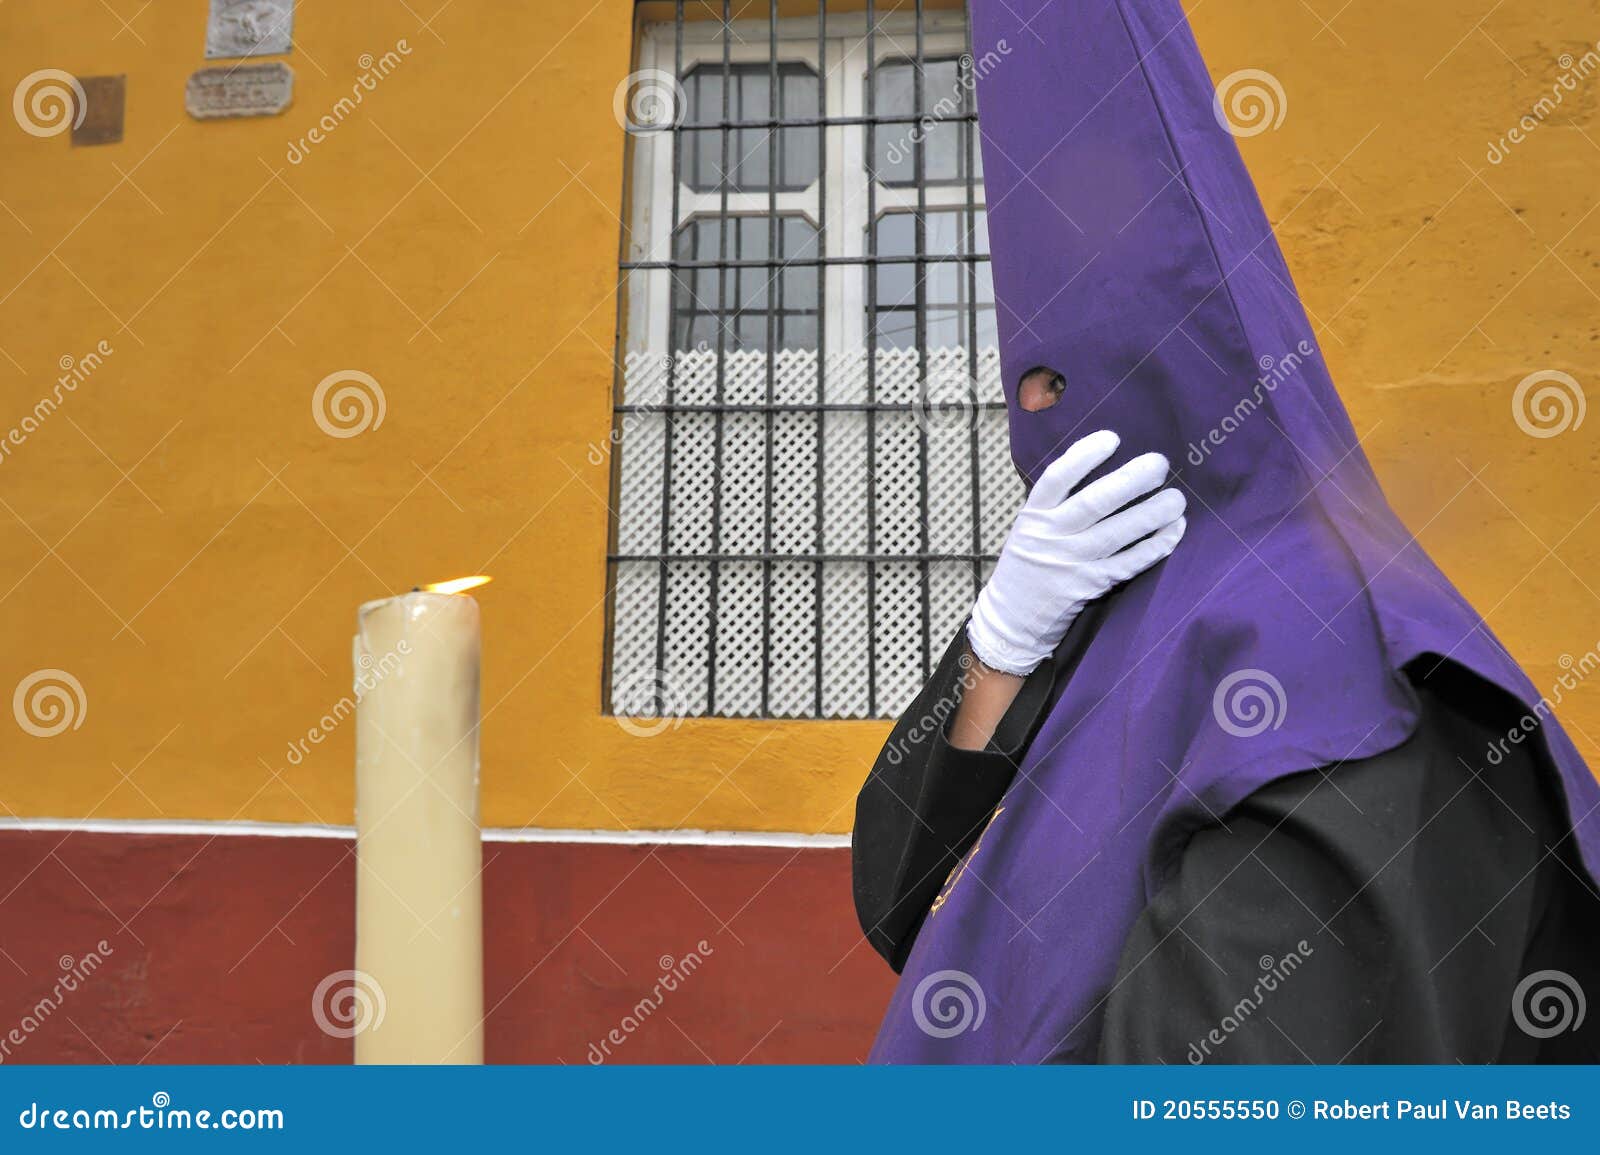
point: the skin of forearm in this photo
(987, 697)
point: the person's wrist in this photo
(996, 647)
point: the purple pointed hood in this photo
(1132, 254)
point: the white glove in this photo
(1064, 551)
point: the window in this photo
(811, 473)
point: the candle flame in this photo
(458, 585)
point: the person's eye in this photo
(1040, 388)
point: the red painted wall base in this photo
(213, 948)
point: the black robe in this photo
(1439, 899)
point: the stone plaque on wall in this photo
(242, 90)
(249, 28)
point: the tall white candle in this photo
(419, 907)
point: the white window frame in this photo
(844, 148)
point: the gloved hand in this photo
(1066, 549)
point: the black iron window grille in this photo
(811, 477)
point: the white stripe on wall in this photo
(490, 834)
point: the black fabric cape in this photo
(1429, 898)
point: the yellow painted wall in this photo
(456, 238)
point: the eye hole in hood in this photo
(1039, 388)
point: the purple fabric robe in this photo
(1131, 253)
